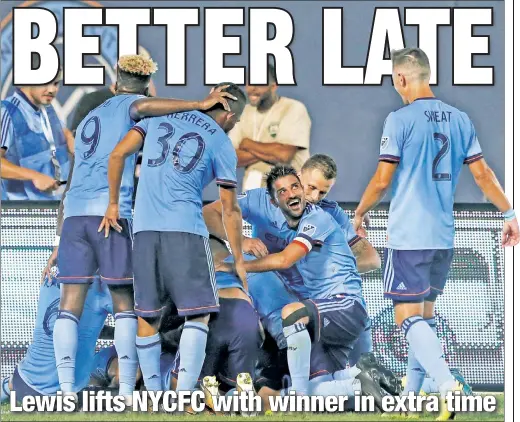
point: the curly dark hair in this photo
(277, 172)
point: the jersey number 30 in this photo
(177, 164)
(445, 148)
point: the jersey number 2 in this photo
(445, 147)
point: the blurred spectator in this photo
(34, 144)
(272, 130)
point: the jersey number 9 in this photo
(93, 139)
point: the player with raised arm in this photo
(83, 251)
(423, 148)
(332, 311)
(182, 154)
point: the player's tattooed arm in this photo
(153, 107)
(272, 152)
(375, 191)
(366, 255)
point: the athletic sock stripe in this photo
(409, 322)
(67, 315)
(147, 346)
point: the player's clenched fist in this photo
(510, 233)
(110, 220)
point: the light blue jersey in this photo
(269, 225)
(430, 141)
(183, 153)
(269, 296)
(329, 268)
(96, 137)
(38, 368)
(341, 218)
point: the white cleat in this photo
(210, 390)
(245, 385)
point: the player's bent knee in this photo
(293, 313)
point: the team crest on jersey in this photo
(309, 229)
(384, 142)
(273, 129)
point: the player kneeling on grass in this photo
(36, 374)
(332, 315)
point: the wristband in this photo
(509, 215)
(56, 241)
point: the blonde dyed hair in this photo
(137, 64)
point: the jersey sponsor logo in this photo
(384, 142)
(68, 96)
(309, 229)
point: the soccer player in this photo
(36, 374)
(82, 249)
(317, 247)
(423, 148)
(319, 174)
(184, 152)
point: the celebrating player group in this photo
(199, 306)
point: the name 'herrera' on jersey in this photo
(196, 119)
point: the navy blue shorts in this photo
(416, 275)
(174, 266)
(83, 251)
(337, 323)
(233, 342)
(21, 387)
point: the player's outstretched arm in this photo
(375, 191)
(487, 182)
(232, 222)
(129, 145)
(153, 107)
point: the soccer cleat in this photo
(387, 379)
(444, 413)
(210, 389)
(370, 386)
(466, 388)
(245, 385)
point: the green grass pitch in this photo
(6, 415)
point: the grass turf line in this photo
(6, 415)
